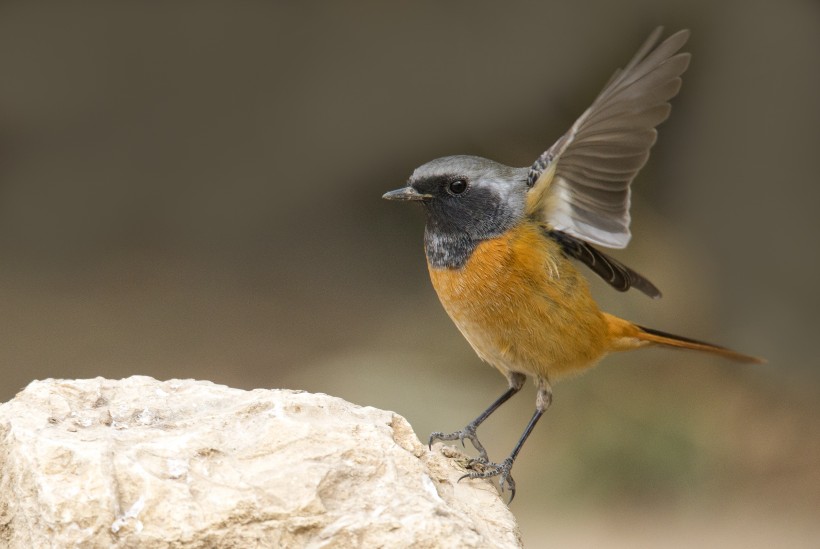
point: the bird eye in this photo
(456, 186)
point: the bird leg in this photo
(502, 470)
(516, 381)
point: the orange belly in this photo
(523, 306)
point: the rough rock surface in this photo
(182, 463)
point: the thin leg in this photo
(516, 381)
(542, 402)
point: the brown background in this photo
(192, 190)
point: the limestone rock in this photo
(182, 463)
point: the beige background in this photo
(192, 190)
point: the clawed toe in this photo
(490, 470)
(467, 433)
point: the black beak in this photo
(406, 193)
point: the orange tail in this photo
(620, 329)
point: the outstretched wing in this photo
(581, 184)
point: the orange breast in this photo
(523, 306)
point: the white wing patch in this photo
(612, 232)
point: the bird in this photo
(501, 243)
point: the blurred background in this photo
(193, 190)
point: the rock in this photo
(182, 463)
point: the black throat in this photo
(457, 224)
(447, 249)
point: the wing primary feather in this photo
(615, 273)
(607, 146)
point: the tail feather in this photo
(623, 330)
(671, 340)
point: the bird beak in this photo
(406, 193)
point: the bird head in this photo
(467, 196)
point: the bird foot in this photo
(467, 433)
(482, 462)
(490, 470)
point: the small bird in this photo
(499, 242)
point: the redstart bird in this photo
(499, 242)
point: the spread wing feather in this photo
(580, 185)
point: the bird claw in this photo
(468, 433)
(490, 470)
(480, 460)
